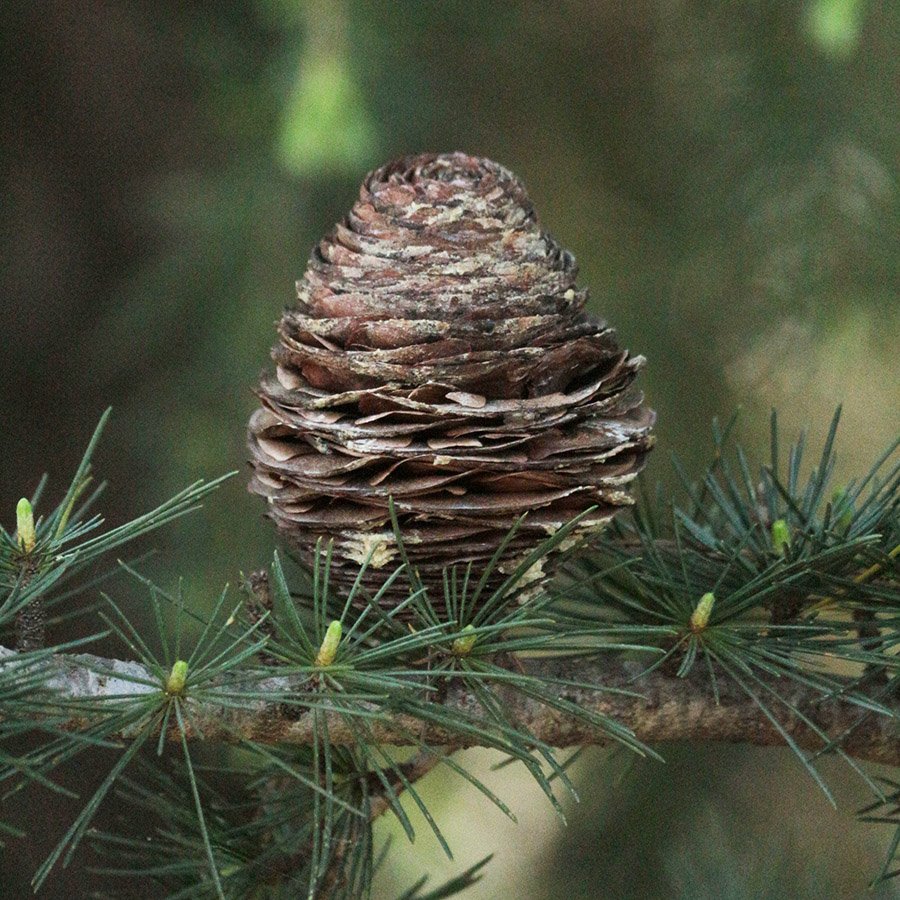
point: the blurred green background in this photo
(724, 172)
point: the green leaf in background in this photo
(325, 126)
(834, 25)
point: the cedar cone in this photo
(440, 355)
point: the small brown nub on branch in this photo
(439, 354)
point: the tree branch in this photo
(669, 708)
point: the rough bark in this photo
(669, 709)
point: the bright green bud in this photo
(328, 650)
(702, 612)
(25, 525)
(781, 536)
(463, 645)
(177, 678)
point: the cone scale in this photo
(439, 355)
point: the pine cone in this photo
(440, 355)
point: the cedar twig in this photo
(668, 708)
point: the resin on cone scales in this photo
(439, 354)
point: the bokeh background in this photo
(725, 173)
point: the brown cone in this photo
(440, 355)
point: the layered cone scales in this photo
(440, 355)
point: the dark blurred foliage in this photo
(725, 173)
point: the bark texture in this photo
(669, 709)
(439, 354)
